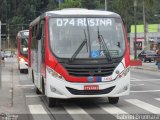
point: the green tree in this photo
(90, 4)
(70, 4)
(19, 13)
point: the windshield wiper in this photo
(80, 47)
(104, 46)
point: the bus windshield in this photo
(79, 37)
(24, 46)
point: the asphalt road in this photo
(19, 100)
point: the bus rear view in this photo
(86, 55)
(22, 51)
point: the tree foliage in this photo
(19, 13)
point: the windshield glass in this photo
(24, 46)
(67, 34)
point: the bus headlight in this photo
(21, 59)
(54, 73)
(123, 73)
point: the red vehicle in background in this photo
(22, 51)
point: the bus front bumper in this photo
(58, 88)
(23, 65)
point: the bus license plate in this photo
(91, 87)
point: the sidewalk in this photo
(147, 66)
(12, 99)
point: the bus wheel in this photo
(51, 102)
(37, 91)
(43, 86)
(21, 71)
(113, 100)
(32, 77)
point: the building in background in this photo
(152, 37)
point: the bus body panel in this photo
(127, 54)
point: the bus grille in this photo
(90, 70)
(90, 92)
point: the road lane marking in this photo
(112, 109)
(135, 85)
(77, 113)
(157, 99)
(133, 78)
(31, 96)
(144, 105)
(37, 109)
(148, 80)
(24, 86)
(145, 91)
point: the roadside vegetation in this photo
(17, 14)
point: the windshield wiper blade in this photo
(80, 47)
(104, 46)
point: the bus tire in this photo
(21, 70)
(113, 100)
(26, 71)
(38, 91)
(32, 77)
(43, 86)
(51, 102)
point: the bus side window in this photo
(42, 29)
(34, 41)
(39, 32)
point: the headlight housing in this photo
(54, 73)
(123, 73)
(21, 59)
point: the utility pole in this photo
(0, 55)
(144, 22)
(0, 38)
(105, 5)
(135, 23)
(59, 4)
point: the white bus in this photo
(22, 50)
(79, 53)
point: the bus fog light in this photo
(126, 87)
(52, 88)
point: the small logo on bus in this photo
(90, 79)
